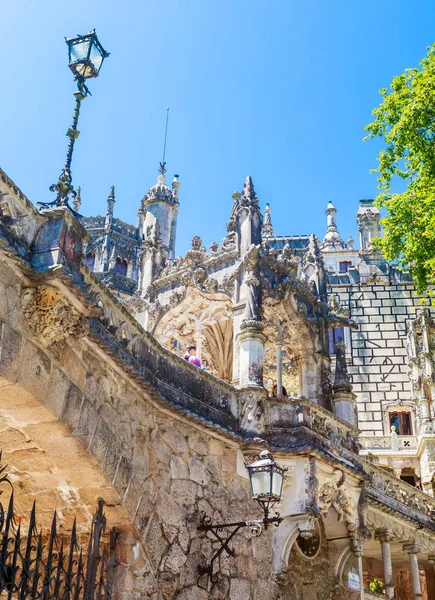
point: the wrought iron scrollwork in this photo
(38, 566)
(217, 529)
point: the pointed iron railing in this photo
(34, 566)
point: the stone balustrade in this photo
(400, 496)
(300, 414)
(407, 443)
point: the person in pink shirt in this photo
(191, 356)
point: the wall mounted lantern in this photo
(86, 56)
(266, 478)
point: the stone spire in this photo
(341, 379)
(112, 259)
(332, 240)
(249, 197)
(342, 395)
(111, 201)
(267, 230)
(77, 200)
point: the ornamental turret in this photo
(332, 240)
(160, 205)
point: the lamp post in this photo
(86, 56)
(266, 478)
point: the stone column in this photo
(412, 550)
(199, 338)
(279, 362)
(385, 537)
(251, 341)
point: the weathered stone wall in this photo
(164, 469)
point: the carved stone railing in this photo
(407, 443)
(301, 413)
(400, 496)
(168, 377)
(375, 442)
(117, 281)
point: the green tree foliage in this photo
(405, 119)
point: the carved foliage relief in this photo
(50, 316)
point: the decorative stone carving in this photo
(253, 286)
(330, 494)
(50, 316)
(251, 409)
(313, 488)
(363, 530)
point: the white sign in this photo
(353, 580)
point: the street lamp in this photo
(86, 56)
(266, 478)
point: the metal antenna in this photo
(162, 169)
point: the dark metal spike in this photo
(10, 586)
(38, 561)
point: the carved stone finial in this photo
(196, 242)
(111, 201)
(341, 375)
(249, 197)
(214, 247)
(50, 316)
(267, 230)
(350, 242)
(77, 200)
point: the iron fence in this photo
(37, 565)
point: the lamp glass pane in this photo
(95, 57)
(260, 483)
(79, 51)
(277, 483)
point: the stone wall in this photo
(379, 358)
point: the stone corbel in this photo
(50, 316)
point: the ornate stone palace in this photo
(318, 352)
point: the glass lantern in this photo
(266, 478)
(86, 55)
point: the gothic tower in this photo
(160, 205)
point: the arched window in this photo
(120, 267)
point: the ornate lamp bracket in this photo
(216, 529)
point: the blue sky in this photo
(278, 90)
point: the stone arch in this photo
(298, 346)
(205, 320)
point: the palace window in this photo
(344, 265)
(402, 422)
(335, 335)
